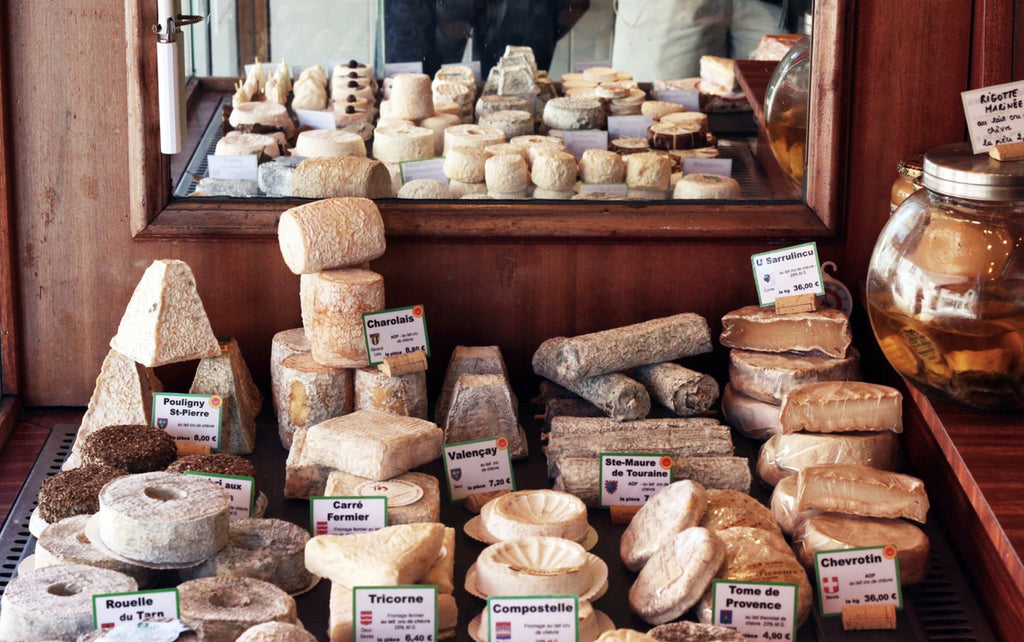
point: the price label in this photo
(547, 618)
(432, 168)
(347, 515)
(394, 613)
(111, 609)
(397, 331)
(995, 115)
(787, 272)
(392, 68)
(189, 418)
(480, 466)
(718, 166)
(689, 98)
(240, 488)
(577, 142)
(609, 189)
(316, 119)
(242, 167)
(628, 126)
(631, 479)
(758, 610)
(857, 576)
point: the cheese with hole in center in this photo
(391, 556)
(374, 444)
(220, 609)
(770, 376)
(330, 233)
(842, 407)
(856, 489)
(787, 454)
(755, 328)
(272, 550)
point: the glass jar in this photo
(945, 285)
(786, 102)
(908, 182)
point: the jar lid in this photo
(955, 170)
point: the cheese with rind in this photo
(675, 577)
(842, 407)
(306, 393)
(483, 406)
(392, 556)
(748, 416)
(855, 489)
(674, 508)
(783, 505)
(788, 454)
(338, 299)
(467, 360)
(330, 233)
(404, 394)
(728, 508)
(228, 377)
(755, 328)
(412, 497)
(769, 377)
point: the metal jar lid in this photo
(955, 170)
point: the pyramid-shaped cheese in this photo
(165, 321)
(391, 556)
(123, 395)
(482, 406)
(373, 444)
(227, 375)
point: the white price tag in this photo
(111, 609)
(580, 141)
(717, 166)
(995, 115)
(758, 610)
(241, 490)
(392, 68)
(611, 189)
(628, 126)
(787, 272)
(583, 65)
(857, 576)
(394, 614)
(397, 331)
(550, 618)
(347, 515)
(316, 119)
(689, 98)
(631, 479)
(480, 466)
(243, 167)
(189, 418)
(432, 168)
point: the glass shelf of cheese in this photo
(316, 132)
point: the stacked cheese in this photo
(165, 322)
(686, 536)
(422, 553)
(592, 366)
(773, 353)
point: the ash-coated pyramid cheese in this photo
(228, 376)
(165, 321)
(392, 556)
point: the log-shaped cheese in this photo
(391, 556)
(855, 489)
(306, 393)
(756, 328)
(339, 298)
(374, 444)
(787, 454)
(842, 407)
(331, 233)
(654, 341)
(685, 392)
(769, 376)
(831, 532)
(338, 176)
(404, 394)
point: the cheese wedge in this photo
(442, 573)
(854, 489)
(833, 406)
(391, 556)
(756, 328)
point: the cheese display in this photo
(769, 376)
(404, 394)
(537, 566)
(335, 306)
(307, 392)
(482, 406)
(161, 518)
(787, 454)
(676, 576)
(856, 489)
(165, 321)
(373, 444)
(684, 391)
(841, 407)
(330, 233)
(271, 550)
(832, 532)
(65, 543)
(412, 497)
(55, 603)
(762, 329)
(532, 513)
(672, 509)
(391, 556)
(228, 377)
(220, 609)
(748, 416)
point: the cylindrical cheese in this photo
(472, 136)
(574, 113)
(402, 395)
(554, 171)
(330, 233)
(506, 174)
(400, 142)
(512, 122)
(769, 377)
(411, 96)
(338, 176)
(648, 170)
(437, 124)
(601, 166)
(317, 143)
(235, 143)
(339, 299)
(707, 186)
(306, 392)
(691, 118)
(494, 102)
(465, 163)
(785, 455)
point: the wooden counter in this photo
(972, 463)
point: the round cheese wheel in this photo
(672, 136)
(783, 506)
(707, 186)
(339, 298)
(785, 455)
(272, 550)
(472, 136)
(220, 609)
(490, 103)
(696, 119)
(629, 145)
(236, 143)
(506, 174)
(601, 166)
(318, 143)
(457, 93)
(424, 188)
(647, 169)
(574, 114)
(465, 163)
(65, 542)
(400, 142)
(658, 108)
(554, 171)
(512, 122)
(748, 416)
(600, 74)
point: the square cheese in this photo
(412, 497)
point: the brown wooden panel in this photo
(9, 374)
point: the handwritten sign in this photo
(995, 115)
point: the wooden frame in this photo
(154, 215)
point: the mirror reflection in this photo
(645, 90)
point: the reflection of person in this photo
(436, 31)
(663, 39)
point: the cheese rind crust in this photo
(755, 328)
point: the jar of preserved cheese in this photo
(945, 284)
(908, 182)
